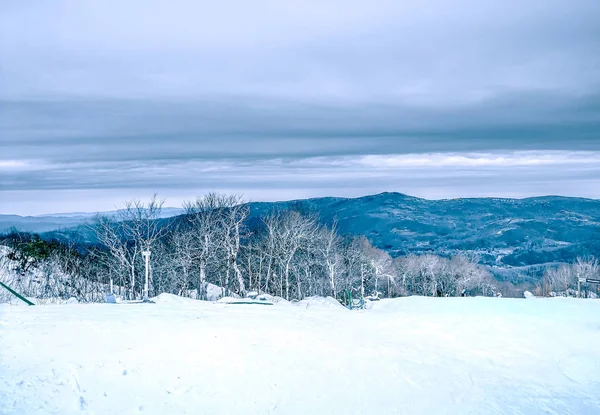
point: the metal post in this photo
(19, 296)
(362, 279)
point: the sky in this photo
(107, 101)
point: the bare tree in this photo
(141, 225)
(563, 279)
(233, 218)
(134, 229)
(271, 222)
(382, 265)
(217, 224)
(120, 253)
(330, 251)
(291, 231)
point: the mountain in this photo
(506, 234)
(62, 221)
(509, 235)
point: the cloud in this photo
(415, 52)
(104, 185)
(313, 172)
(489, 160)
(13, 165)
(301, 98)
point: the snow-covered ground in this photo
(403, 356)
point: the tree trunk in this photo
(280, 284)
(268, 274)
(376, 282)
(287, 280)
(299, 293)
(249, 274)
(239, 276)
(259, 274)
(227, 279)
(309, 281)
(332, 278)
(132, 282)
(362, 281)
(202, 285)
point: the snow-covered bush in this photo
(47, 279)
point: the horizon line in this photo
(548, 196)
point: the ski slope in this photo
(404, 356)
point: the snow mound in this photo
(528, 294)
(273, 299)
(322, 302)
(214, 292)
(166, 298)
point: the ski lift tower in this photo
(146, 255)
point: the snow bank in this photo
(274, 299)
(166, 298)
(320, 302)
(214, 292)
(528, 295)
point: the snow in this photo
(320, 302)
(213, 292)
(404, 356)
(237, 301)
(273, 299)
(172, 299)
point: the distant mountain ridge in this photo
(505, 234)
(501, 232)
(59, 221)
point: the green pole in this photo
(19, 296)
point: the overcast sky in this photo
(102, 101)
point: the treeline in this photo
(287, 253)
(562, 280)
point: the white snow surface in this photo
(404, 356)
(323, 302)
(213, 292)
